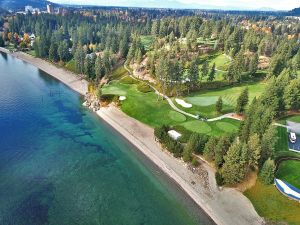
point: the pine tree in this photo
(219, 105)
(53, 56)
(254, 149)
(234, 170)
(242, 101)
(292, 95)
(212, 73)
(204, 69)
(267, 173)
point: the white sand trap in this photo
(183, 103)
(122, 98)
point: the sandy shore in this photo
(70, 79)
(225, 207)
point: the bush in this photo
(195, 162)
(219, 179)
(128, 80)
(144, 88)
(108, 98)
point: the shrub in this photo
(195, 162)
(219, 179)
(144, 88)
(128, 80)
(108, 98)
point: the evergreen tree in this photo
(79, 57)
(234, 170)
(268, 143)
(204, 69)
(242, 101)
(53, 55)
(219, 105)
(254, 149)
(212, 73)
(268, 171)
(292, 95)
(99, 68)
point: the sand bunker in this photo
(183, 103)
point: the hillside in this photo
(295, 12)
(20, 4)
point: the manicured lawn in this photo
(217, 128)
(271, 204)
(204, 101)
(222, 62)
(295, 119)
(151, 110)
(145, 107)
(198, 126)
(176, 116)
(289, 171)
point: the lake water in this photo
(60, 164)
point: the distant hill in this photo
(295, 12)
(20, 4)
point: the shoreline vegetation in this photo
(226, 206)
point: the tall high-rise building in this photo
(50, 8)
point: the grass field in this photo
(271, 204)
(289, 171)
(204, 102)
(151, 110)
(222, 62)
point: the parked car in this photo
(293, 137)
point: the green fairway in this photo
(227, 127)
(176, 116)
(289, 171)
(149, 109)
(115, 89)
(204, 101)
(295, 119)
(270, 203)
(222, 62)
(198, 126)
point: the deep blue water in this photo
(60, 164)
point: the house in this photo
(174, 134)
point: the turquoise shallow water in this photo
(60, 164)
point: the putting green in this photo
(227, 127)
(113, 90)
(197, 126)
(176, 116)
(205, 100)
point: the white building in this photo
(28, 8)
